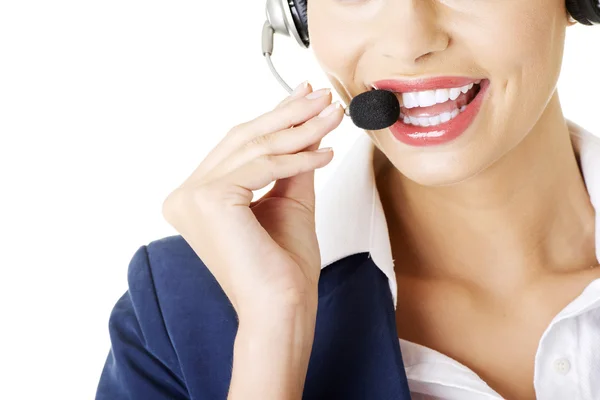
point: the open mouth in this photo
(436, 107)
(437, 110)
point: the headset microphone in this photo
(372, 110)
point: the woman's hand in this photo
(266, 251)
(264, 254)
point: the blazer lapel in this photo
(356, 351)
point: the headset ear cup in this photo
(301, 19)
(576, 12)
(586, 12)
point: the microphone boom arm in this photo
(268, 34)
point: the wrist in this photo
(285, 308)
(271, 353)
(278, 324)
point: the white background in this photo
(105, 107)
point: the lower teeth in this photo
(435, 120)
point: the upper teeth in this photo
(430, 97)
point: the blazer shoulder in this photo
(165, 279)
(177, 275)
(174, 317)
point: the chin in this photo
(441, 169)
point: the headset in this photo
(289, 18)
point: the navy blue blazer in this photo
(172, 332)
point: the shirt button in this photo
(562, 366)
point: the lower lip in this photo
(444, 132)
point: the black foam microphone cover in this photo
(374, 110)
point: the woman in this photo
(452, 256)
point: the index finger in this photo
(301, 90)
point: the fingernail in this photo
(329, 109)
(323, 150)
(299, 89)
(317, 94)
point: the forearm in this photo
(271, 355)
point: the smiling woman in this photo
(452, 256)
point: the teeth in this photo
(428, 98)
(442, 95)
(433, 121)
(465, 89)
(454, 93)
(436, 120)
(410, 100)
(424, 121)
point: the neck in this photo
(529, 213)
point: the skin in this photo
(269, 268)
(493, 233)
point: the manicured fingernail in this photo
(329, 109)
(317, 94)
(301, 87)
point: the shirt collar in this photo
(349, 215)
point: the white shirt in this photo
(350, 219)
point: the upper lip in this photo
(422, 84)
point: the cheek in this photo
(336, 44)
(520, 49)
(524, 41)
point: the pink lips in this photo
(444, 132)
(419, 85)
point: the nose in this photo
(409, 31)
